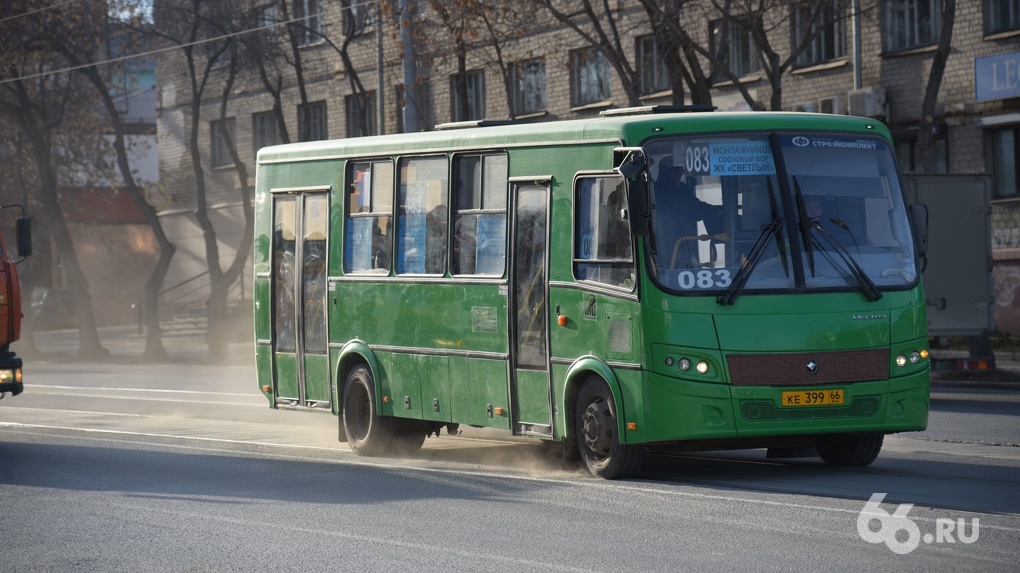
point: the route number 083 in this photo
(697, 159)
(704, 279)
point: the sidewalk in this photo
(126, 346)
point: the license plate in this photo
(813, 398)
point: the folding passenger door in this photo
(530, 393)
(300, 358)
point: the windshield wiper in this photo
(767, 232)
(805, 225)
(868, 287)
(773, 229)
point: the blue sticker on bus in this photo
(745, 158)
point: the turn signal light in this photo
(498, 411)
(562, 320)
(267, 389)
(631, 425)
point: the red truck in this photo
(10, 305)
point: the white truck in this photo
(959, 292)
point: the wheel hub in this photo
(597, 427)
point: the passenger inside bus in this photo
(679, 200)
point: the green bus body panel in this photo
(442, 343)
(286, 376)
(264, 368)
(477, 384)
(317, 380)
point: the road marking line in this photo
(157, 390)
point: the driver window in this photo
(603, 249)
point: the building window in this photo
(1002, 15)
(528, 81)
(309, 21)
(222, 134)
(652, 66)
(590, 75)
(733, 49)
(906, 155)
(423, 215)
(1005, 158)
(267, 23)
(467, 96)
(479, 217)
(819, 28)
(360, 109)
(911, 23)
(369, 221)
(602, 241)
(264, 129)
(312, 121)
(358, 17)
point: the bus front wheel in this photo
(849, 450)
(596, 426)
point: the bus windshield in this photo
(794, 211)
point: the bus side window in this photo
(602, 245)
(422, 220)
(479, 219)
(369, 218)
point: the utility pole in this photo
(380, 102)
(412, 117)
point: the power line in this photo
(37, 10)
(157, 50)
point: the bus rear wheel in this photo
(596, 426)
(368, 433)
(849, 450)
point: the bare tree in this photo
(926, 152)
(599, 25)
(184, 23)
(54, 119)
(761, 21)
(79, 51)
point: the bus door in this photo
(300, 359)
(530, 392)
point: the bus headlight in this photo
(702, 367)
(684, 365)
(915, 357)
(901, 361)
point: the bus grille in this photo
(766, 411)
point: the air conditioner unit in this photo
(832, 105)
(868, 102)
(807, 106)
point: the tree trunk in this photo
(927, 161)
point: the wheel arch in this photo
(583, 368)
(353, 353)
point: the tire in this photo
(596, 427)
(368, 433)
(849, 450)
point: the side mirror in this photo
(24, 236)
(919, 224)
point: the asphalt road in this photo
(120, 467)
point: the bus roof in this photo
(628, 129)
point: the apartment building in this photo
(529, 66)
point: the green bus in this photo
(666, 278)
